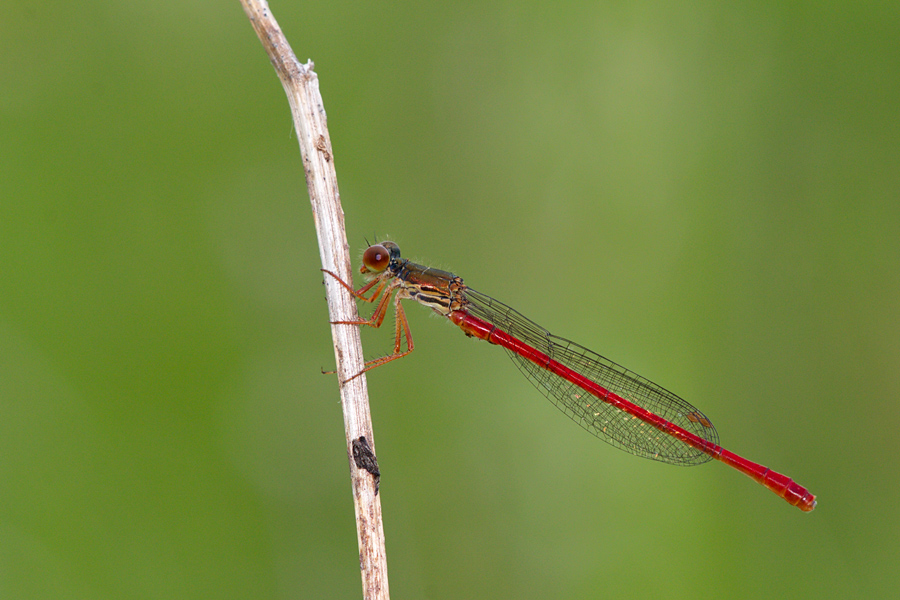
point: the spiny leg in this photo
(401, 328)
(360, 293)
(377, 317)
(401, 325)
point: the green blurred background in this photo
(706, 193)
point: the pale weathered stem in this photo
(301, 85)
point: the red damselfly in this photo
(611, 402)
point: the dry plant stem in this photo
(302, 88)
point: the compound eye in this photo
(376, 258)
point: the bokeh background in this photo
(704, 192)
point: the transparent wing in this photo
(604, 420)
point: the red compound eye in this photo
(376, 258)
